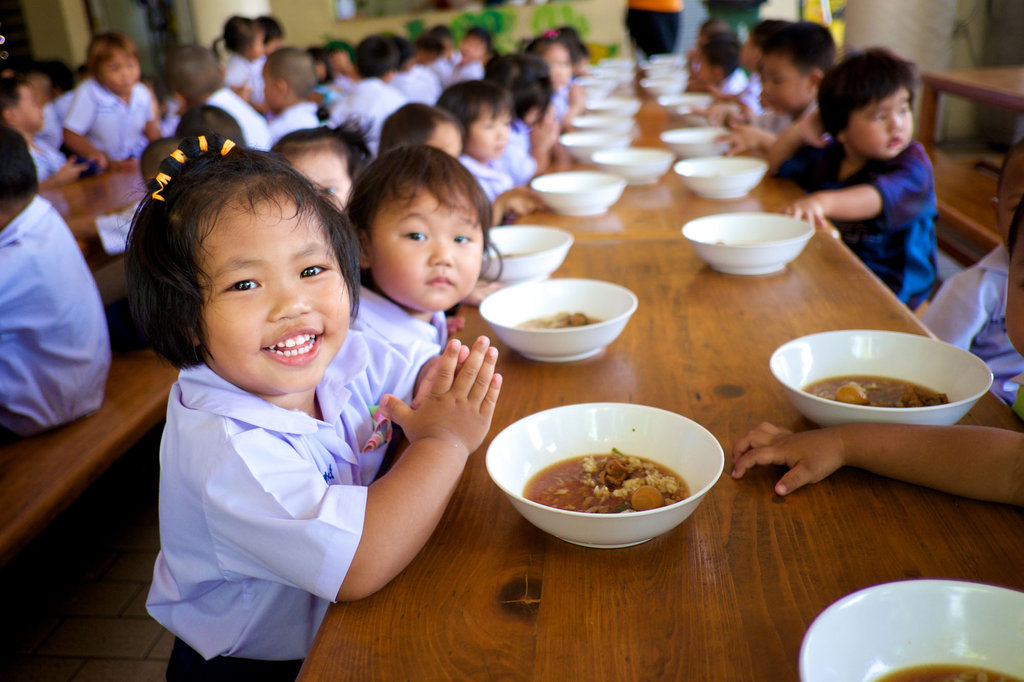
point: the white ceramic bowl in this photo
(528, 252)
(891, 626)
(611, 124)
(748, 243)
(507, 308)
(537, 441)
(623, 107)
(597, 88)
(582, 145)
(639, 165)
(722, 177)
(938, 366)
(685, 102)
(665, 85)
(695, 142)
(579, 193)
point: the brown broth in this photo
(881, 391)
(945, 672)
(561, 320)
(576, 484)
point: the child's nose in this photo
(289, 302)
(441, 253)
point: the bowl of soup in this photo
(722, 177)
(639, 165)
(686, 102)
(559, 320)
(525, 253)
(667, 84)
(655, 440)
(582, 145)
(824, 376)
(622, 125)
(748, 243)
(614, 106)
(579, 193)
(886, 632)
(701, 141)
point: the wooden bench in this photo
(963, 193)
(42, 475)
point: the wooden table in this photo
(729, 593)
(997, 86)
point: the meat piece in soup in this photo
(876, 391)
(606, 484)
(558, 321)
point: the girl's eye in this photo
(244, 285)
(461, 239)
(312, 271)
(416, 236)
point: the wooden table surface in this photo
(995, 86)
(729, 593)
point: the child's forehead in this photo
(451, 205)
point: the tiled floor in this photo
(74, 600)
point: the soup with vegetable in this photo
(946, 673)
(876, 392)
(558, 321)
(606, 484)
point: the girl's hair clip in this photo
(551, 33)
(190, 147)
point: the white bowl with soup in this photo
(722, 177)
(529, 317)
(582, 145)
(885, 632)
(579, 193)
(624, 107)
(909, 367)
(686, 102)
(748, 243)
(639, 165)
(622, 125)
(664, 85)
(526, 253)
(695, 142)
(680, 448)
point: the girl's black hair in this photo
(858, 80)
(577, 48)
(414, 123)
(184, 204)
(404, 173)
(376, 55)
(347, 140)
(480, 33)
(18, 180)
(206, 119)
(527, 77)
(271, 28)
(469, 100)
(239, 33)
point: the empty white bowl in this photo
(639, 165)
(888, 627)
(611, 304)
(579, 193)
(925, 361)
(597, 88)
(695, 142)
(582, 145)
(722, 177)
(623, 107)
(528, 252)
(603, 122)
(748, 243)
(685, 102)
(544, 438)
(664, 85)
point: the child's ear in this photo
(815, 76)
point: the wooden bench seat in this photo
(963, 193)
(42, 475)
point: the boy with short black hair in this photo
(718, 67)
(373, 98)
(289, 79)
(872, 180)
(54, 345)
(415, 81)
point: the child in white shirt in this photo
(289, 79)
(331, 158)
(373, 98)
(243, 71)
(474, 50)
(415, 81)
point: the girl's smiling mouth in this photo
(294, 346)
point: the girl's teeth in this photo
(292, 347)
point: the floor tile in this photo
(98, 598)
(121, 671)
(133, 566)
(39, 669)
(162, 649)
(102, 637)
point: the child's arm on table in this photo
(71, 170)
(859, 202)
(946, 458)
(80, 145)
(747, 139)
(404, 506)
(518, 201)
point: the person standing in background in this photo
(654, 25)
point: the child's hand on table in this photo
(810, 208)
(810, 455)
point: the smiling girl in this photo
(245, 277)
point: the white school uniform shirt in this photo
(113, 126)
(54, 346)
(239, 72)
(381, 317)
(492, 176)
(516, 159)
(969, 311)
(370, 102)
(560, 102)
(296, 117)
(262, 508)
(442, 68)
(53, 120)
(418, 84)
(254, 126)
(48, 160)
(466, 71)
(735, 83)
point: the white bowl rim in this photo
(871, 409)
(567, 238)
(585, 515)
(654, 154)
(608, 181)
(697, 132)
(743, 163)
(602, 135)
(634, 304)
(802, 237)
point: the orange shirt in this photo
(657, 5)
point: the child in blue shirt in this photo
(871, 180)
(245, 277)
